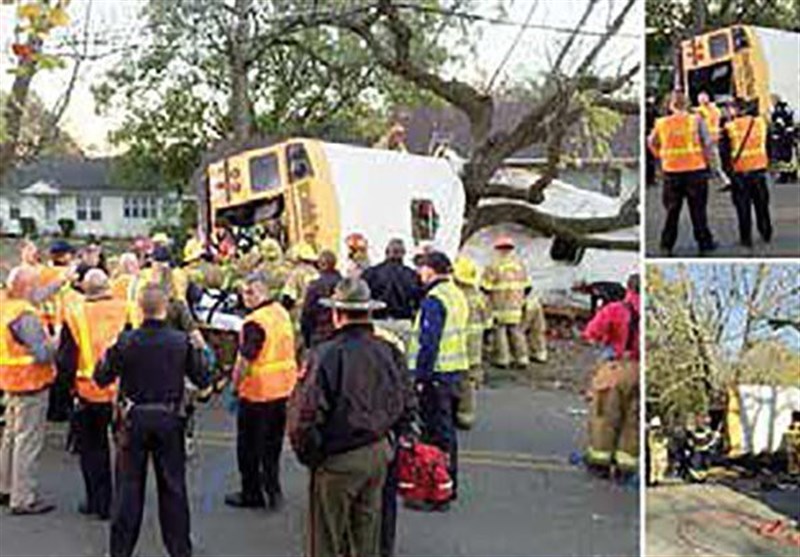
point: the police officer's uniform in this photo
(151, 363)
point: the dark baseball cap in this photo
(436, 260)
(60, 247)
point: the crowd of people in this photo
(727, 145)
(347, 364)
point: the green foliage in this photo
(28, 228)
(596, 128)
(316, 81)
(36, 125)
(67, 227)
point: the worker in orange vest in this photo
(747, 135)
(91, 326)
(712, 116)
(61, 259)
(264, 375)
(683, 144)
(27, 352)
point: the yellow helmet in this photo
(305, 252)
(270, 249)
(160, 238)
(466, 271)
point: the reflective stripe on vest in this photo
(679, 146)
(19, 371)
(711, 116)
(273, 373)
(95, 326)
(506, 281)
(452, 356)
(754, 154)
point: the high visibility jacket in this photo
(711, 116)
(52, 309)
(679, 145)
(754, 154)
(119, 286)
(479, 320)
(506, 280)
(95, 326)
(272, 374)
(453, 355)
(297, 282)
(19, 372)
(133, 314)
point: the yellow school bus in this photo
(745, 62)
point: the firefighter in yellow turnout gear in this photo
(506, 283)
(467, 277)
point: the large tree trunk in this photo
(15, 108)
(240, 109)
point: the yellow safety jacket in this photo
(19, 371)
(272, 374)
(479, 321)
(711, 116)
(505, 281)
(452, 356)
(95, 326)
(753, 156)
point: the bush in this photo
(67, 227)
(28, 227)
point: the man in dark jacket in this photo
(151, 363)
(316, 321)
(356, 390)
(394, 284)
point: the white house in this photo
(84, 191)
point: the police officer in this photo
(92, 325)
(683, 144)
(342, 433)
(151, 363)
(264, 375)
(747, 135)
(438, 356)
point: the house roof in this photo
(65, 174)
(421, 123)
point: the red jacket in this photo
(612, 324)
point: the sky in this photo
(119, 19)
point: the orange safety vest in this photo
(19, 372)
(712, 116)
(679, 146)
(754, 154)
(119, 286)
(95, 326)
(52, 309)
(273, 373)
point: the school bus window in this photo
(298, 162)
(739, 39)
(264, 173)
(718, 45)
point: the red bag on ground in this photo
(422, 475)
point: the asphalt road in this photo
(519, 495)
(714, 519)
(784, 206)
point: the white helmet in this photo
(655, 421)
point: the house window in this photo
(50, 208)
(140, 207)
(13, 210)
(88, 208)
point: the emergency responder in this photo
(396, 285)
(357, 255)
(316, 321)
(613, 443)
(701, 441)
(747, 134)
(91, 256)
(343, 434)
(293, 295)
(394, 139)
(783, 133)
(534, 325)
(26, 372)
(264, 376)
(657, 452)
(92, 325)
(506, 284)
(467, 277)
(682, 142)
(438, 357)
(123, 284)
(151, 363)
(712, 116)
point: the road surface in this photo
(714, 519)
(519, 495)
(784, 206)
